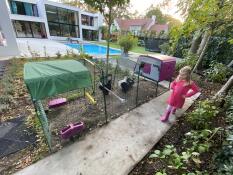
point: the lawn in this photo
(136, 49)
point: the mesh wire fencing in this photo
(80, 108)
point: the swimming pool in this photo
(93, 49)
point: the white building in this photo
(136, 26)
(46, 19)
(21, 20)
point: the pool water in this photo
(93, 49)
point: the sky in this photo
(142, 5)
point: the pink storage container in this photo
(71, 130)
(57, 102)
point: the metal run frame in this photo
(43, 121)
(138, 80)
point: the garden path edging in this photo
(113, 149)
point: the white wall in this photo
(43, 17)
(11, 49)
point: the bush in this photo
(127, 42)
(166, 49)
(201, 117)
(190, 60)
(218, 72)
(224, 157)
(218, 50)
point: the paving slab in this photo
(113, 149)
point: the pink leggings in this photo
(170, 108)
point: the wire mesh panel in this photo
(95, 106)
(44, 122)
(125, 92)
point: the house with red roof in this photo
(137, 26)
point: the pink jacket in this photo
(179, 91)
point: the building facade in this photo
(51, 20)
(137, 26)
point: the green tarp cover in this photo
(49, 78)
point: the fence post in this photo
(94, 81)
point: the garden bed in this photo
(176, 135)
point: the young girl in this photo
(180, 90)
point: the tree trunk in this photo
(108, 38)
(225, 88)
(230, 64)
(195, 43)
(203, 43)
(206, 38)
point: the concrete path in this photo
(113, 149)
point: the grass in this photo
(136, 49)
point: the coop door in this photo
(147, 68)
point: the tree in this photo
(172, 22)
(78, 3)
(225, 88)
(184, 6)
(122, 12)
(127, 42)
(209, 16)
(155, 11)
(107, 7)
(162, 18)
(195, 42)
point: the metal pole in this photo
(94, 81)
(138, 86)
(105, 109)
(115, 71)
(119, 98)
(157, 84)
(105, 104)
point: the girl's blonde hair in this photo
(185, 73)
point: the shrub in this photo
(218, 50)
(201, 117)
(218, 72)
(166, 48)
(58, 54)
(190, 60)
(127, 42)
(224, 158)
(171, 156)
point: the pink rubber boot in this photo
(165, 117)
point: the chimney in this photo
(153, 18)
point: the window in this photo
(90, 34)
(54, 29)
(25, 29)
(51, 12)
(65, 30)
(23, 8)
(38, 30)
(62, 22)
(63, 16)
(71, 18)
(87, 20)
